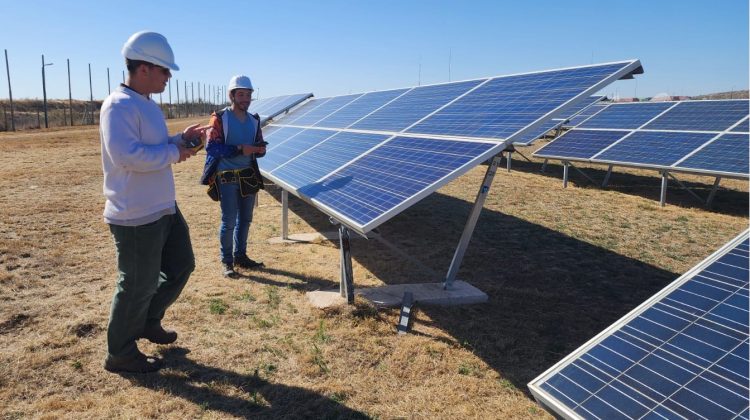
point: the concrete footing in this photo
(461, 293)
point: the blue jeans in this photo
(236, 215)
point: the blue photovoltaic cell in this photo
(276, 135)
(302, 110)
(391, 174)
(554, 124)
(530, 136)
(358, 108)
(325, 158)
(683, 355)
(323, 110)
(579, 144)
(654, 148)
(626, 116)
(291, 147)
(728, 153)
(505, 105)
(701, 116)
(741, 127)
(413, 106)
(577, 119)
(270, 107)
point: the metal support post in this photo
(606, 177)
(463, 243)
(664, 181)
(566, 166)
(713, 192)
(507, 162)
(544, 166)
(686, 188)
(346, 287)
(284, 215)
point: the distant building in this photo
(626, 100)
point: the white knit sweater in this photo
(137, 154)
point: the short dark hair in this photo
(133, 65)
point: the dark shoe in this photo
(228, 271)
(244, 262)
(139, 363)
(159, 335)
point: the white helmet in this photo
(150, 47)
(239, 82)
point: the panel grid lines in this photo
(679, 354)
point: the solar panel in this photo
(271, 107)
(742, 127)
(702, 115)
(556, 123)
(728, 154)
(653, 148)
(324, 158)
(502, 106)
(413, 106)
(579, 144)
(387, 160)
(626, 116)
(681, 354)
(584, 115)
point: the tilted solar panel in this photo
(653, 148)
(681, 354)
(727, 154)
(399, 152)
(356, 109)
(271, 107)
(584, 115)
(626, 116)
(579, 144)
(556, 123)
(716, 115)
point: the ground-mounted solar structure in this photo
(364, 158)
(682, 354)
(270, 108)
(698, 137)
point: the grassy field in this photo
(559, 265)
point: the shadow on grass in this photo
(236, 394)
(548, 292)
(305, 283)
(726, 201)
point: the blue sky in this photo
(336, 47)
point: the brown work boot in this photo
(140, 363)
(157, 334)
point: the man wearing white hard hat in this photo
(154, 253)
(231, 171)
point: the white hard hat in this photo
(239, 82)
(150, 47)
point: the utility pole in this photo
(70, 95)
(10, 93)
(44, 92)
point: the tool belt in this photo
(247, 179)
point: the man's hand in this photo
(195, 131)
(249, 150)
(185, 153)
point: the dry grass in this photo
(558, 265)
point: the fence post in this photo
(10, 94)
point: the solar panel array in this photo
(681, 354)
(705, 137)
(584, 115)
(268, 108)
(363, 158)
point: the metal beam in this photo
(346, 287)
(566, 166)
(713, 192)
(664, 182)
(606, 177)
(471, 222)
(284, 214)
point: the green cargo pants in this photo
(154, 262)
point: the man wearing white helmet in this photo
(154, 253)
(231, 170)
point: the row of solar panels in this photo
(682, 354)
(705, 137)
(364, 158)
